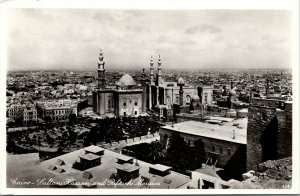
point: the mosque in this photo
(127, 98)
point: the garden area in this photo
(52, 139)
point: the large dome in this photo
(195, 98)
(126, 80)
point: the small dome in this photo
(195, 98)
(180, 80)
(232, 92)
(126, 80)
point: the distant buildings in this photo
(15, 110)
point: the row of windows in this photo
(135, 113)
(58, 112)
(59, 117)
(221, 150)
(29, 113)
(214, 149)
(29, 118)
(135, 103)
(187, 99)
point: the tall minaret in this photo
(151, 71)
(231, 84)
(159, 74)
(101, 71)
(144, 95)
(267, 87)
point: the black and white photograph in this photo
(152, 98)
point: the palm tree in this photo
(157, 152)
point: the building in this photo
(15, 111)
(125, 99)
(177, 93)
(29, 114)
(57, 110)
(223, 144)
(113, 167)
(269, 131)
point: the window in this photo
(205, 98)
(177, 98)
(108, 103)
(213, 148)
(221, 150)
(135, 103)
(263, 116)
(229, 151)
(135, 112)
(124, 103)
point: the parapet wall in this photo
(269, 133)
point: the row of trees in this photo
(116, 129)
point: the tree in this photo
(72, 118)
(200, 154)
(179, 154)
(157, 152)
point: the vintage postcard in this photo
(133, 97)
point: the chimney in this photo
(233, 135)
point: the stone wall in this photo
(269, 133)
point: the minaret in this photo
(101, 71)
(180, 83)
(151, 71)
(143, 76)
(144, 95)
(231, 84)
(267, 87)
(159, 74)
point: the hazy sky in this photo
(71, 38)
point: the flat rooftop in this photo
(58, 104)
(220, 132)
(89, 156)
(160, 167)
(124, 157)
(127, 167)
(94, 149)
(108, 169)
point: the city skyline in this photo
(70, 39)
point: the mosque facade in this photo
(127, 98)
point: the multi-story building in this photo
(57, 110)
(29, 114)
(15, 111)
(222, 144)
